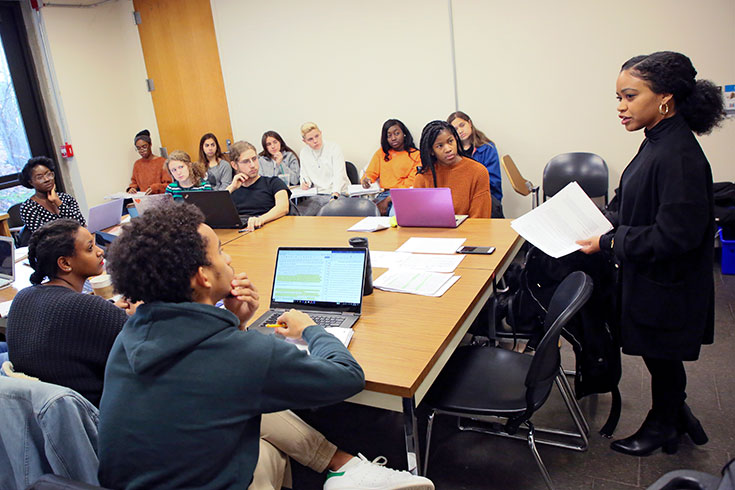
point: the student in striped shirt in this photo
(188, 176)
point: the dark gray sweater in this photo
(63, 337)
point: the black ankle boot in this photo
(687, 423)
(652, 435)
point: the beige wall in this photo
(537, 77)
(101, 78)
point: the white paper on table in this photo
(556, 225)
(431, 245)
(21, 253)
(446, 286)
(414, 282)
(371, 223)
(123, 195)
(299, 192)
(5, 308)
(343, 334)
(359, 190)
(421, 262)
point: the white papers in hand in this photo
(371, 223)
(556, 225)
(417, 262)
(359, 190)
(431, 245)
(415, 282)
(299, 192)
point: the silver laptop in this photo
(144, 203)
(324, 283)
(105, 215)
(7, 261)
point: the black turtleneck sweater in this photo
(663, 213)
(63, 337)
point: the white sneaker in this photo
(359, 473)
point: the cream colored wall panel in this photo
(348, 66)
(101, 75)
(539, 77)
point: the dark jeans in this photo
(668, 385)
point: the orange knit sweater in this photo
(468, 182)
(398, 172)
(150, 173)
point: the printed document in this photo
(415, 282)
(431, 245)
(556, 225)
(417, 262)
(371, 223)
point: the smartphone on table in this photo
(476, 250)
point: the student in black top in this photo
(263, 199)
(664, 223)
(46, 204)
(55, 332)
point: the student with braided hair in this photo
(446, 165)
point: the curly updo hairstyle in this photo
(26, 173)
(156, 255)
(666, 72)
(53, 240)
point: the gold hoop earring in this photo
(663, 108)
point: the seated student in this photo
(445, 166)
(188, 175)
(278, 159)
(394, 164)
(55, 332)
(219, 172)
(189, 397)
(263, 199)
(323, 167)
(46, 204)
(478, 146)
(148, 173)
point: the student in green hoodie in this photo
(190, 398)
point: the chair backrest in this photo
(589, 170)
(352, 173)
(520, 185)
(14, 219)
(349, 206)
(571, 294)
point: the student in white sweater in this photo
(323, 167)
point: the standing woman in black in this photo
(662, 239)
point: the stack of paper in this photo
(298, 192)
(359, 190)
(371, 223)
(431, 245)
(424, 283)
(417, 262)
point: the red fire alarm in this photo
(66, 150)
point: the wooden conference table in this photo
(402, 341)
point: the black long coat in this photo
(663, 213)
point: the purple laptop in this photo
(427, 207)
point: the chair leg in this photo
(537, 456)
(429, 426)
(572, 404)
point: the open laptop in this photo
(144, 203)
(325, 283)
(218, 209)
(7, 261)
(427, 207)
(105, 215)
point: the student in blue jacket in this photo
(191, 399)
(479, 147)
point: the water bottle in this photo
(362, 242)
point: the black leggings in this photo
(668, 385)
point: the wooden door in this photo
(182, 59)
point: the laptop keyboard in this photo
(322, 320)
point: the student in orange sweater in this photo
(394, 164)
(445, 165)
(149, 174)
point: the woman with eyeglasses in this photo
(45, 204)
(149, 175)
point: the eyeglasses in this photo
(44, 176)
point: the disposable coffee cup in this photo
(102, 285)
(284, 178)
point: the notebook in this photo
(7, 261)
(324, 283)
(105, 215)
(427, 207)
(218, 209)
(144, 203)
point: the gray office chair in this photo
(589, 170)
(18, 231)
(349, 206)
(485, 383)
